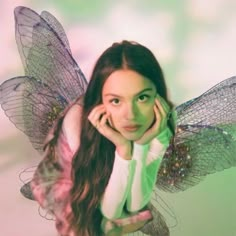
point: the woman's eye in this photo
(143, 98)
(115, 101)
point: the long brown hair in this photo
(94, 159)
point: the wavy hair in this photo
(93, 162)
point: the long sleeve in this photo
(132, 181)
(116, 192)
(147, 162)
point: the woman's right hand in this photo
(99, 119)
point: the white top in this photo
(131, 181)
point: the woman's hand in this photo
(161, 109)
(99, 118)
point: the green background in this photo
(194, 42)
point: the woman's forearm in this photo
(116, 192)
(147, 160)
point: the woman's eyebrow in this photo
(116, 95)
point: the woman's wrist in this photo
(164, 136)
(125, 151)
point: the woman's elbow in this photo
(110, 213)
(137, 206)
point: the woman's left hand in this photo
(161, 109)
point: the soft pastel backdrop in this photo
(194, 40)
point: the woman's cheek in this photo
(150, 116)
(148, 110)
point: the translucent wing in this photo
(156, 227)
(45, 52)
(52, 78)
(31, 106)
(164, 218)
(205, 139)
(25, 177)
(57, 27)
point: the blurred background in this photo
(194, 41)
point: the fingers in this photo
(99, 118)
(162, 106)
(154, 130)
(157, 116)
(103, 121)
(161, 110)
(96, 115)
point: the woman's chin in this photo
(132, 136)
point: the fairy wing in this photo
(204, 140)
(52, 77)
(45, 52)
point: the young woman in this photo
(103, 154)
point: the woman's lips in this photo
(131, 128)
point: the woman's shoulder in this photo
(74, 112)
(71, 126)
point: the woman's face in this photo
(130, 98)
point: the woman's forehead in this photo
(126, 82)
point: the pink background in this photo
(195, 43)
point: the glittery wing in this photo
(204, 140)
(52, 77)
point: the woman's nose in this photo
(130, 111)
